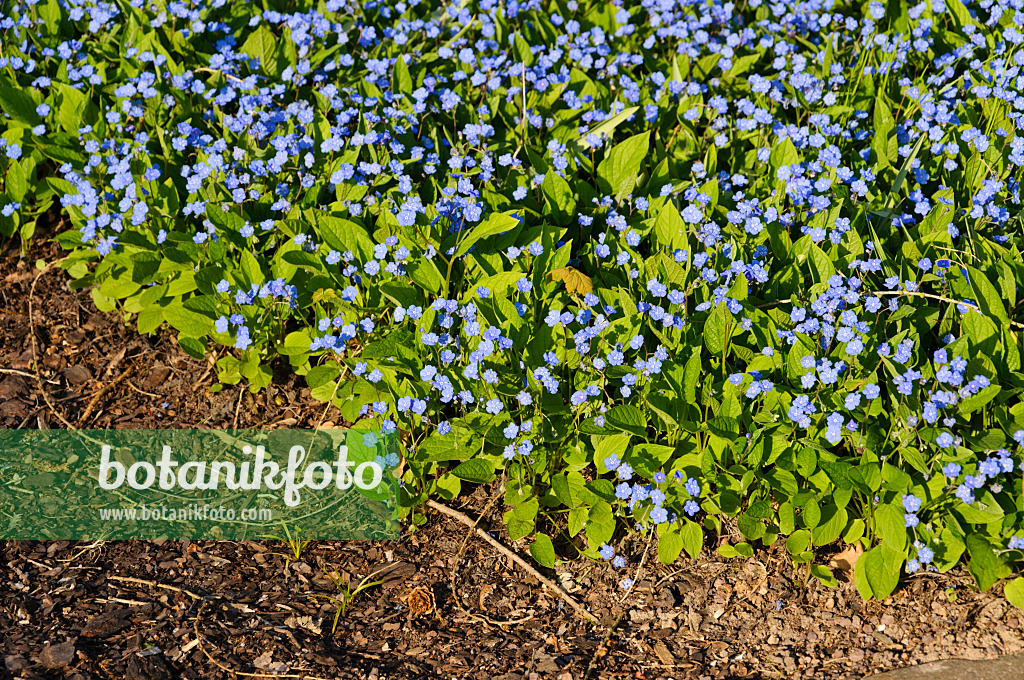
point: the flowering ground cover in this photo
(665, 267)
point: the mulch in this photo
(154, 610)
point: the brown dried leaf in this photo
(847, 559)
(575, 281)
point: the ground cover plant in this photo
(664, 266)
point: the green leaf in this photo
(960, 13)
(617, 173)
(798, 541)
(989, 300)
(402, 78)
(690, 377)
(150, 319)
(834, 521)
(17, 182)
(693, 538)
(1014, 592)
(518, 528)
(884, 124)
(568, 488)
(251, 270)
(603, 128)
(975, 402)
(321, 381)
(426, 275)
(738, 550)
(456, 445)
(824, 574)
(341, 234)
(476, 470)
(496, 223)
(262, 44)
(543, 550)
(71, 109)
(811, 513)
(986, 566)
(670, 544)
(715, 329)
(878, 572)
(670, 228)
(577, 520)
(891, 527)
(17, 104)
(628, 418)
(522, 50)
(295, 343)
(784, 153)
(561, 204)
(187, 322)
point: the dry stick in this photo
(143, 392)
(35, 355)
(238, 408)
(330, 402)
(211, 362)
(99, 395)
(580, 609)
(639, 569)
(14, 371)
(154, 584)
(602, 649)
(941, 298)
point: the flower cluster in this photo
(715, 261)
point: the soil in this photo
(153, 610)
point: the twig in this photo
(602, 648)
(119, 600)
(209, 367)
(941, 298)
(639, 569)
(580, 609)
(92, 546)
(154, 584)
(14, 371)
(148, 394)
(238, 408)
(205, 69)
(91, 406)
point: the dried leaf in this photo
(575, 281)
(847, 559)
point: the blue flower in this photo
(911, 503)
